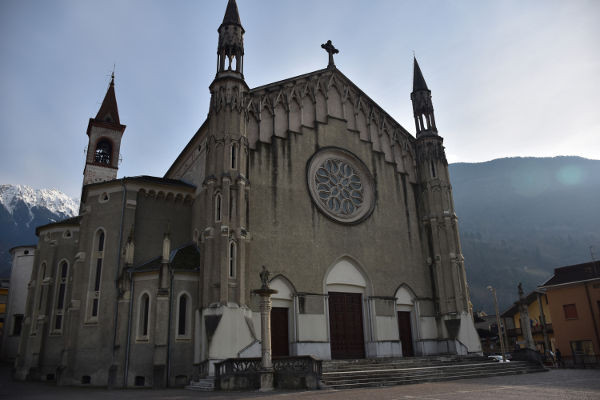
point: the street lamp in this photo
(491, 289)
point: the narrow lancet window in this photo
(232, 259)
(96, 274)
(233, 156)
(61, 290)
(218, 201)
(433, 171)
(144, 316)
(42, 275)
(181, 326)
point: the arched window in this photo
(232, 259)
(41, 276)
(144, 316)
(61, 292)
(103, 153)
(233, 156)
(184, 316)
(218, 203)
(96, 274)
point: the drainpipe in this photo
(587, 293)
(543, 322)
(116, 313)
(131, 298)
(169, 330)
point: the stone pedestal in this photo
(266, 375)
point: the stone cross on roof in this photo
(331, 50)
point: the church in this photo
(152, 283)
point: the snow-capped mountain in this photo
(22, 209)
(53, 200)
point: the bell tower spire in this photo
(227, 163)
(422, 105)
(440, 223)
(230, 53)
(104, 132)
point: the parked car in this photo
(498, 357)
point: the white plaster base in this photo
(384, 349)
(320, 350)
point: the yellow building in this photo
(539, 316)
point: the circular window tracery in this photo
(340, 185)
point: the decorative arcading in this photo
(362, 115)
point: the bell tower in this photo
(442, 250)
(226, 169)
(104, 132)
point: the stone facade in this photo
(308, 176)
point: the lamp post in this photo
(491, 289)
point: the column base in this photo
(266, 381)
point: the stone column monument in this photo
(525, 325)
(265, 293)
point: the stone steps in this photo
(366, 373)
(392, 365)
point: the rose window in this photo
(340, 185)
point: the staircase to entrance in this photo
(348, 374)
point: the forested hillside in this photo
(520, 218)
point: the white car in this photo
(498, 358)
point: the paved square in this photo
(556, 384)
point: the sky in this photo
(508, 78)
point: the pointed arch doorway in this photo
(280, 316)
(405, 308)
(346, 286)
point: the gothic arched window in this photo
(144, 316)
(41, 276)
(96, 273)
(232, 259)
(218, 202)
(184, 316)
(61, 290)
(103, 153)
(233, 156)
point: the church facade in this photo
(352, 215)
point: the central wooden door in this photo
(346, 325)
(279, 332)
(405, 333)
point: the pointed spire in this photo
(232, 16)
(109, 112)
(418, 80)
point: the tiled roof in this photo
(574, 273)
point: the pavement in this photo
(556, 384)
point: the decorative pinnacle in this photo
(331, 50)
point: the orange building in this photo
(574, 301)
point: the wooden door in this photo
(346, 325)
(279, 332)
(405, 333)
